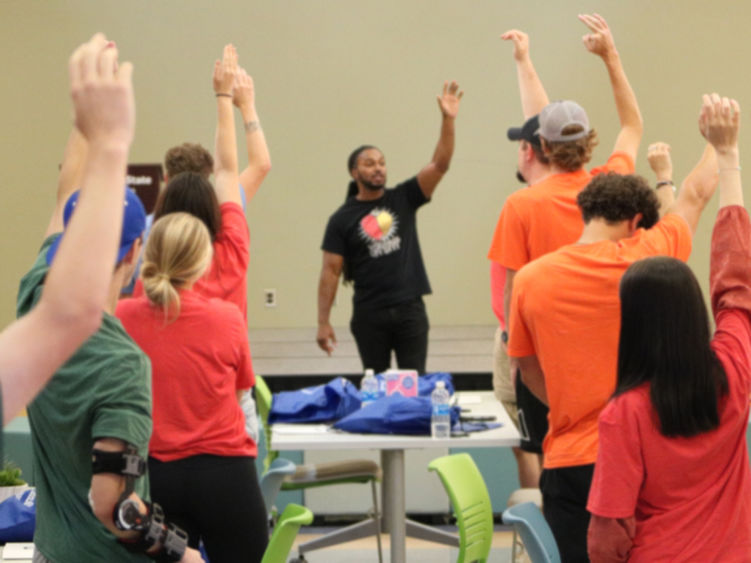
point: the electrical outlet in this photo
(269, 297)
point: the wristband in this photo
(662, 183)
(222, 94)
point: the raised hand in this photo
(225, 71)
(448, 102)
(720, 121)
(520, 41)
(600, 41)
(102, 93)
(658, 156)
(243, 93)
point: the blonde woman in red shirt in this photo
(201, 462)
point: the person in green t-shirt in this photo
(95, 413)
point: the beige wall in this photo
(331, 75)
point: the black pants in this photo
(214, 499)
(533, 417)
(564, 502)
(402, 328)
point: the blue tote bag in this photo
(321, 403)
(393, 415)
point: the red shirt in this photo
(198, 362)
(226, 278)
(688, 496)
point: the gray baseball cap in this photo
(556, 116)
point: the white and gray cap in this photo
(556, 116)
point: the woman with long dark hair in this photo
(672, 479)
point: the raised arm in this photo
(259, 160)
(531, 90)
(69, 179)
(697, 189)
(600, 42)
(719, 123)
(658, 156)
(75, 291)
(448, 103)
(330, 272)
(225, 152)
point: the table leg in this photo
(392, 501)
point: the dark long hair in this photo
(194, 194)
(352, 164)
(664, 340)
(351, 192)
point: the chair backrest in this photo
(469, 497)
(534, 531)
(285, 533)
(263, 402)
(271, 482)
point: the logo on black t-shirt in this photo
(379, 231)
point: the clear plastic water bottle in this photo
(440, 418)
(368, 388)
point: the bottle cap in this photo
(440, 384)
(369, 372)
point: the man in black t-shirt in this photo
(372, 239)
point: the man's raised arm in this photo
(76, 288)
(658, 156)
(697, 189)
(601, 43)
(448, 103)
(259, 160)
(225, 152)
(531, 90)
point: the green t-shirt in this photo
(103, 391)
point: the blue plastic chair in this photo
(531, 526)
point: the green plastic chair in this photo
(285, 533)
(471, 503)
(361, 471)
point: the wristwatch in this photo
(504, 337)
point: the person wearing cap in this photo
(99, 401)
(372, 240)
(555, 143)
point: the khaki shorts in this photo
(502, 387)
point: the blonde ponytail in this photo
(177, 253)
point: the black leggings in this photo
(214, 499)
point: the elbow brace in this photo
(154, 529)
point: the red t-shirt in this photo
(226, 278)
(689, 496)
(198, 363)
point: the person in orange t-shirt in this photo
(556, 143)
(564, 326)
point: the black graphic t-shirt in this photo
(378, 240)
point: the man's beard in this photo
(372, 187)
(519, 177)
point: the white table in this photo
(480, 403)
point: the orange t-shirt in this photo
(543, 217)
(565, 309)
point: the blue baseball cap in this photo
(134, 223)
